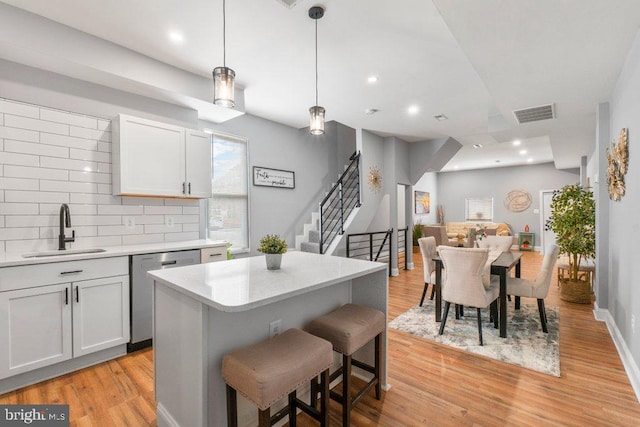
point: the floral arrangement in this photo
(480, 232)
(272, 244)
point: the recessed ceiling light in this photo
(440, 117)
(529, 160)
(372, 79)
(523, 152)
(176, 37)
(413, 109)
(477, 145)
(456, 167)
(370, 111)
(516, 143)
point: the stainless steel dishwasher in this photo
(142, 291)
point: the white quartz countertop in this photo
(243, 284)
(8, 260)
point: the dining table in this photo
(500, 266)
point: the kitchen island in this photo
(203, 312)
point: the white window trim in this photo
(482, 200)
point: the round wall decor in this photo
(517, 201)
(374, 179)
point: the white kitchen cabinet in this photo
(157, 159)
(54, 312)
(35, 328)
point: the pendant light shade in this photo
(316, 113)
(224, 77)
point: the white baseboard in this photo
(395, 272)
(630, 366)
(599, 313)
(410, 266)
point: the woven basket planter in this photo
(578, 291)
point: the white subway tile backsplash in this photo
(19, 134)
(18, 233)
(49, 157)
(91, 155)
(35, 124)
(98, 135)
(177, 237)
(118, 230)
(138, 239)
(19, 208)
(68, 186)
(68, 118)
(19, 109)
(19, 159)
(119, 210)
(82, 176)
(18, 183)
(34, 148)
(69, 164)
(68, 141)
(163, 210)
(34, 172)
(36, 197)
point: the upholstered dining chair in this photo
(537, 288)
(468, 282)
(439, 232)
(501, 243)
(428, 251)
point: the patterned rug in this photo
(526, 345)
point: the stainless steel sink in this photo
(64, 252)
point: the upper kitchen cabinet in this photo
(158, 159)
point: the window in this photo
(228, 208)
(480, 210)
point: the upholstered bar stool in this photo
(270, 370)
(349, 328)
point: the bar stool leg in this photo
(346, 398)
(232, 407)
(292, 409)
(376, 367)
(264, 418)
(324, 401)
(313, 392)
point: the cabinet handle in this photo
(71, 272)
(189, 188)
(66, 296)
(168, 262)
(77, 294)
(184, 191)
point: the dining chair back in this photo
(439, 232)
(468, 282)
(428, 251)
(501, 243)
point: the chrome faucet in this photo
(65, 221)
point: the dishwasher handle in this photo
(163, 263)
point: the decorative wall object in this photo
(618, 159)
(267, 177)
(440, 214)
(422, 202)
(517, 201)
(374, 179)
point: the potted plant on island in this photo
(573, 220)
(273, 247)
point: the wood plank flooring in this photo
(432, 385)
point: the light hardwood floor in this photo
(431, 384)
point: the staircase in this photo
(334, 212)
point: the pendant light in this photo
(223, 77)
(316, 126)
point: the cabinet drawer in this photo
(26, 276)
(216, 253)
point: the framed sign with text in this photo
(268, 177)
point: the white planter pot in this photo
(273, 261)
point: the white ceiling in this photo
(474, 61)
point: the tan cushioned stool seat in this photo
(349, 327)
(267, 371)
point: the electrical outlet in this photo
(633, 323)
(170, 221)
(275, 328)
(130, 222)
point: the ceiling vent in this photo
(535, 114)
(288, 3)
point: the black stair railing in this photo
(375, 246)
(341, 200)
(403, 247)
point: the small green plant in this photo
(229, 256)
(417, 233)
(272, 244)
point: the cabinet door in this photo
(35, 328)
(198, 164)
(149, 159)
(100, 314)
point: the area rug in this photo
(526, 345)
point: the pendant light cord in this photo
(224, 33)
(316, 62)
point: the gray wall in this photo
(624, 222)
(454, 187)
